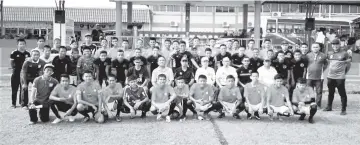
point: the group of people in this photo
(170, 80)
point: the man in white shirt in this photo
(103, 43)
(162, 69)
(40, 45)
(224, 71)
(205, 70)
(47, 56)
(267, 73)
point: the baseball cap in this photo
(335, 41)
(48, 66)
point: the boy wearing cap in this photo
(102, 67)
(17, 59)
(135, 98)
(88, 45)
(85, 62)
(303, 101)
(64, 99)
(206, 70)
(39, 98)
(162, 96)
(278, 101)
(31, 69)
(88, 97)
(339, 65)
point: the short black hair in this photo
(20, 40)
(86, 48)
(176, 42)
(103, 51)
(251, 40)
(161, 76)
(137, 58)
(196, 38)
(301, 80)
(255, 72)
(180, 78)
(132, 78)
(230, 77)
(237, 41)
(280, 52)
(137, 49)
(115, 38)
(47, 46)
(74, 50)
(202, 77)
(156, 47)
(208, 49)
(120, 50)
(168, 40)
(152, 38)
(267, 40)
(126, 41)
(88, 72)
(278, 76)
(182, 42)
(63, 47)
(297, 51)
(73, 41)
(270, 50)
(41, 37)
(222, 45)
(64, 76)
(111, 76)
(304, 44)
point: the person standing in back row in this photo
(339, 66)
(17, 58)
(317, 63)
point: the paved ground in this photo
(330, 128)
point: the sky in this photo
(68, 3)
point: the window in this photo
(219, 9)
(13, 31)
(345, 9)
(43, 32)
(36, 32)
(353, 9)
(266, 8)
(193, 9)
(176, 8)
(162, 8)
(231, 9)
(294, 8)
(316, 9)
(22, 30)
(225, 9)
(201, 9)
(285, 8)
(170, 8)
(155, 8)
(274, 7)
(7, 30)
(302, 8)
(325, 8)
(208, 9)
(336, 8)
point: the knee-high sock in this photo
(313, 109)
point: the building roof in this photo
(323, 2)
(90, 15)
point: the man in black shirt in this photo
(102, 67)
(31, 69)
(219, 57)
(96, 33)
(140, 72)
(17, 58)
(299, 65)
(153, 58)
(185, 72)
(208, 53)
(285, 50)
(236, 59)
(87, 43)
(183, 53)
(244, 73)
(121, 65)
(283, 67)
(255, 60)
(139, 55)
(61, 63)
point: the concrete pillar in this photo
(187, 19)
(236, 18)
(257, 23)
(213, 19)
(129, 12)
(118, 25)
(245, 16)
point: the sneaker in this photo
(71, 118)
(168, 119)
(143, 115)
(207, 117)
(221, 115)
(86, 119)
(343, 112)
(182, 118)
(249, 117)
(200, 117)
(118, 118)
(311, 120)
(195, 116)
(328, 109)
(32, 123)
(257, 117)
(25, 107)
(236, 116)
(56, 121)
(302, 117)
(159, 117)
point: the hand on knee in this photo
(80, 107)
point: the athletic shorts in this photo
(73, 80)
(303, 109)
(202, 108)
(254, 108)
(160, 107)
(229, 107)
(280, 109)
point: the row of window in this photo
(286, 8)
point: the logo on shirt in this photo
(51, 84)
(17, 55)
(258, 64)
(124, 65)
(284, 66)
(250, 71)
(181, 73)
(39, 66)
(301, 65)
(27, 55)
(331, 56)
